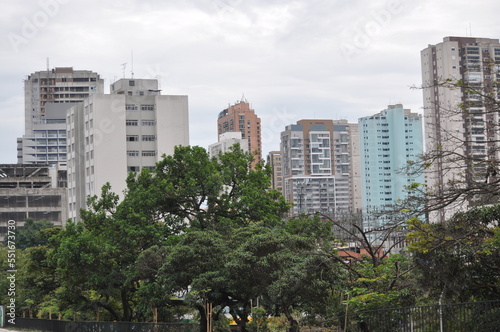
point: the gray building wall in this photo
(32, 191)
(48, 94)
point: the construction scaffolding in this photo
(30, 191)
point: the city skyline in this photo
(291, 60)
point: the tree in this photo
(29, 236)
(214, 193)
(96, 258)
(459, 259)
(232, 269)
(376, 273)
(462, 169)
(107, 261)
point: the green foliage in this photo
(176, 229)
(387, 285)
(255, 261)
(30, 236)
(458, 259)
(260, 320)
(97, 258)
(208, 193)
(200, 229)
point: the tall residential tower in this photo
(125, 131)
(48, 95)
(240, 117)
(316, 166)
(390, 141)
(459, 120)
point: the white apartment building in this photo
(48, 95)
(125, 131)
(226, 141)
(457, 120)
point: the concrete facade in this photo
(32, 191)
(316, 166)
(226, 141)
(457, 120)
(274, 160)
(125, 131)
(48, 95)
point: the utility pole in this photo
(208, 314)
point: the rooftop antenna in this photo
(132, 63)
(124, 66)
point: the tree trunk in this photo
(293, 325)
(155, 314)
(240, 319)
(102, 305)
(203, 317)
(127, 311)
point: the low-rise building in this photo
(32, 191)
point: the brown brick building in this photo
(241, 118)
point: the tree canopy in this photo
(198, 230)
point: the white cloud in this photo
(283, 55)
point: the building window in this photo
(148, 122)
(133, 168)
(131, 83)
(149, 153)
(133, 153)
(148, 138)
(131, 107)
(132, 138)
(147, 107)
(132, 122)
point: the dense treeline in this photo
(198, 230)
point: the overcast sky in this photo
(291, 60)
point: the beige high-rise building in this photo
(457, 120)
(317, 167)
(240, 117)
(274, 160)
(125, 131)
(48, 95)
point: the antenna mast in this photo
(132, 63)
(158, 77)
(124, 66)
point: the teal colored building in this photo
(388, 141)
